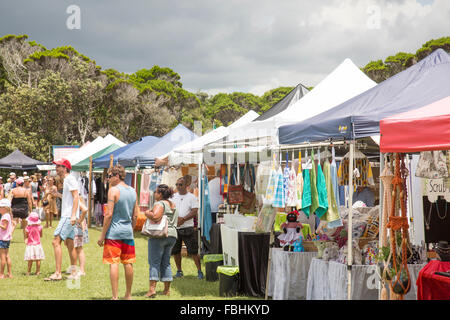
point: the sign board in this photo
(59, 152)
(432, 188)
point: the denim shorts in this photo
(4, 244)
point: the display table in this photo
(289, 274)
(327, 280)
(431, 286)
(249, 251)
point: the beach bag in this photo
(156, 229)
(41, 213)
(235, 193)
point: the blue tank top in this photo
(121, 224)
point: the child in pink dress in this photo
(34, 251)
(6, 230)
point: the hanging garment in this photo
(144, 197)
(206, 208)
(313, 178)
(306, 199)
(153, 181)
(278, 199)
(332, 216)
(291, 198)
(270, 191)
(334, 178)
(299, 180)
(286, 174)
(321, 192)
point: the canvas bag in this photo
(235, 192)
(432, 165)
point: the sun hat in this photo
(63, 162)
(19, 181)
(33, 218)
(5, 203)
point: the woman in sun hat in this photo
(33, 250)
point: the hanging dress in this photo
(321, 191)
(313, 178)
(278, 200)
(292, 187)
(306, 197)
(270, 191)
(332, 216)
(286, 173)
(334, 181)
(299, 191)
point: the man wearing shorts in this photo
(65, 231)
(187, 207)
(117, 234)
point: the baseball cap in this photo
(63, 162)
(19, 181)
(12, 174)
(5, 203)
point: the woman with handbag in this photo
(49, 201)
(160, 245)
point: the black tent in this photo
(18, 161)
(291, 98)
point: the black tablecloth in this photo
(253, 259)
(215, 243)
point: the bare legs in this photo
(58, 254)
(195, 257)
(5, 261)
(38, 267)
(81, 259)
(114, 277)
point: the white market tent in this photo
(344, 83)
(191, 152)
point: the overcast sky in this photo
(230, 45)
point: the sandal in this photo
(54, 277)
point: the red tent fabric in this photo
(423, 129)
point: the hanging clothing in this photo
(334, 178)
(144, 197)
(206, 208)
(321, 192)
(153, 181)
(299, 180)
(271, 185)
(332, 216)
(314, 193)
(278, 200)
(306, 198)
(291, 198)
(286, 173)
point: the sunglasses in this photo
(179, 184)
(109, 176)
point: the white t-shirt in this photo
(184, 204)
(215, 197)
(70, 184)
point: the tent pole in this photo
(350, 222)
(380, 218)
(200, 216)
(90, 192)
(111, 161)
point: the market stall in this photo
(411, 132)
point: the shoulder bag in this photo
(156, 229)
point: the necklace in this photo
(428, 218)
(437, 208)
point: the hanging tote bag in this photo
(156, 229)
(235, 192)
(432, 165)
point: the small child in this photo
(34, 251)
(6, 230)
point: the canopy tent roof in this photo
(95, 146)
(146, 157)
(343, 83)
(128, 150)
(84, 164)
(423, 129)
(292, 97)
(421, 84)
(190, 152)
(18, 161)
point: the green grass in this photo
(95, 285)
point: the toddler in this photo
(6, 230)
(34, 251)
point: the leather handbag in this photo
(156, 229)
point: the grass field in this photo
(95, 285)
